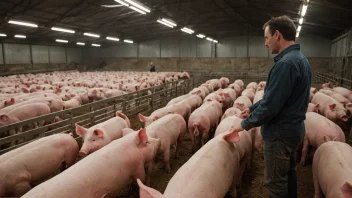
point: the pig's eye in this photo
(93, 140)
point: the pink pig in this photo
(235, 111)
(249, 92)
(224, 82)
(202, 120)
(242, 103)
(313, 108)
(319, 130)
(36, 164)
(106, 172)
(332, 170)
(209, 173)
(102, 134)
(239, 83)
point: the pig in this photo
(236, 87)
(343, 91)
(249, 93)
(252, 85)
(194, 101)
(313, 108)
(215, 83)
(311, 93)
(73, 102)
(224, 82)
(338, 97)
(202, 120)
(215, 168)
(261, 86)
(235, 111)
(328, 92)
(244, 145)
(257, 139)
(319, 130)
(178, 99)
(105, 172)
(213, 97)
(332, 171)
(102, 134)
(329, 107)
(199, 92)
(258, 96)
(239, 83)
(54, 104)
(170, 129)
(36, 164)
(242, 103)
(181, 108)
(25, 112)
(228, 97)
(327, 85)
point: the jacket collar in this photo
(287, 50)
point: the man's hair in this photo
(284, 25)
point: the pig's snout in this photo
(82, 154)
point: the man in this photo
(152, 67)
(281, 112)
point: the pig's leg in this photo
(204, 138)
(317, 190)
(22, 189)
(178, 145)
(70, 157)
(167, 159)
(304, 150)
(194, 142)
(149, 172)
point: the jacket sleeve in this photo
(254, 106)
(282, 81)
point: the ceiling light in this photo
(138, 10)
(128, 41)
(169, 22)
(91, 35)
(79, 43)
(3, 35)
(96, 45)
(138, 6)
(215, 41)
(20, 36)
(162, 22)
(297, 35)
(299, 28)
(300, 21)
(189, 30)
(186, 31)
(112, 38)
(122, 3)
(110, 6)
(209, 39)
(23, 23)
(200, 35)
(61, 41)
(304, 10)
(62, 30)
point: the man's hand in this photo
(245, 113)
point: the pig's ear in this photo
(12, 100)
(147, 192)
(232, 137)
(239, 104)
(141, 117)
(99, 133)
(4, 117)
(81, 131)
(317, 106)
(326, 138)
(346, 190)
(142, 137)
(332, 106)
(209, 100)
(72, 95)
(155, 118)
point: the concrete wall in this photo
(341, 52)
(21, 58)
(242, 55)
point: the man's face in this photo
(271, 41)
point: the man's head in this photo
(278, 32)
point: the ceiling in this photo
(214, 18)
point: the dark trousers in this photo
(280, 169)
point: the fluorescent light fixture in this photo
(304, 10)
(79, 43)
(23, 23)
(186, 31)
(122, 3)
(128, 41)
(61, 41)
(62, 30)
(111, 6)
(300, 20)
(299, 28)
(3, 35)
(91, 35)
(96, 45)
(215, 41)
(209, 39)
(162, 22)
(138, 6)
(112, 38)
(169, 22)
(189, 30)
(297, 35)
(20, 36)
(138, 10)
(200, 35)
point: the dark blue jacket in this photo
(281, 112)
